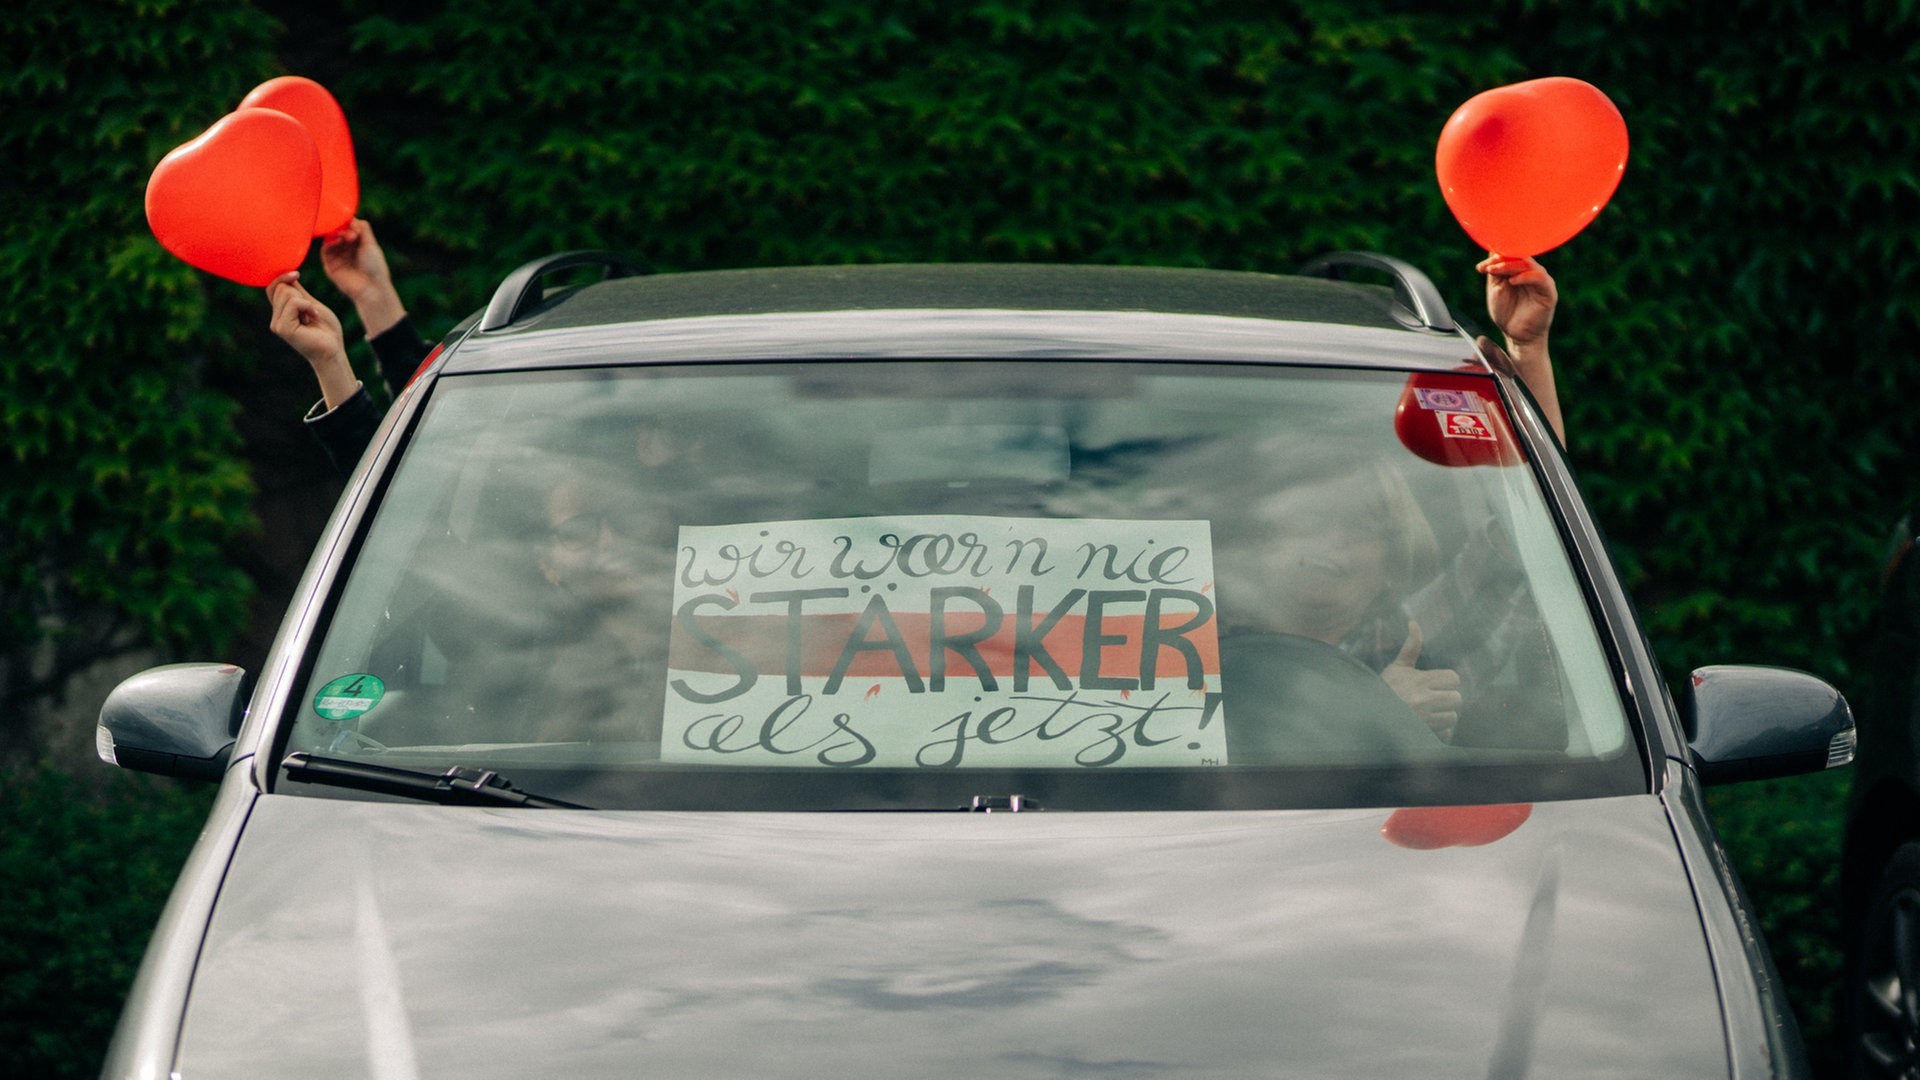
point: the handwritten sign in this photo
(934, 641)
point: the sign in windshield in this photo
(945, 641)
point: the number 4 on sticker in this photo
(348, 697)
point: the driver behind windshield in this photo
(1328, 567)
(568, 614)
(1330, 557)
(608, 554)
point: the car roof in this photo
(971, 310)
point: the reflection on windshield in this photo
(1119, 567)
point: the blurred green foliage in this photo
(1784, 836)
(123, 489)
(86, 869)
(1732, 344)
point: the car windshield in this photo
(913, 585)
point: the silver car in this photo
(663, 695)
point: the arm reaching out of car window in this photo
(357, 266)
(314, 332)
(346, 417)
(1521, 297)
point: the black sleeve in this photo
(345, 430)
(400, 349)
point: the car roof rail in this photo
(520, 290)
(1413, 289)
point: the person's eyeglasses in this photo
(582, 531)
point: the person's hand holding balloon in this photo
(357, 266)
(1525, 168)
(1521, 297)
(314, 332)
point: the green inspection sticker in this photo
(348, 696)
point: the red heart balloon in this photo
(310, 103)
(1424, 828)
(239, 200)
(1525, 167)
(1454, 419)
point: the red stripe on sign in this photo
(880, 644)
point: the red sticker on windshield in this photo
(1455, 419)
(1456, 425)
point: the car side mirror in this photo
(1758, 723)
(175, 720)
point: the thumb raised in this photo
(1410, 651)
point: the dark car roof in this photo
(969, 309)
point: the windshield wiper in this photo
(458, 786)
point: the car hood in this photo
(362, 938)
